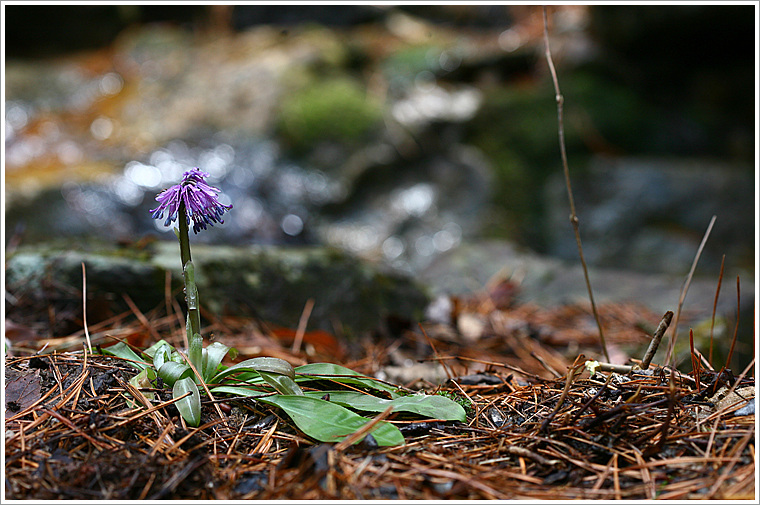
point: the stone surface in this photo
(551, 282)
(650, 214)
(351, 296)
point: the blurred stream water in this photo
(87, 151)
(91, 138)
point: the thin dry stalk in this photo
(715, 307)
(358, 434)
(438, 357)
(84, 307)
(141, 317)
(302, 325)
(736, 326)
(656, 338)
(573, 216)
(684, 290)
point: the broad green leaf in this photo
(329, 371)
(161, 355)
(239, 391)
(232, 353)
(282, 383)
(122, 350)
(266, 364)
(432, 406)
(213, 355)
(190, 406)
(151, 351)
(329, 422)
(170, 372)
(252, 377)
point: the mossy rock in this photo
(272, 283)
(331, 109)
(44, 286)
(277, 282)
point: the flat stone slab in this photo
(270, 282)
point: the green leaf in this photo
(213, 355)
(161, 354)
(252, 377)
(266, 364)
(151, 351)
(328, 371)
(239, 391)
(171, 372)
(232, 352)
(195, 347)
(328, 422)
(432, 406)
(190, 406)
(282, 383)
(122, 350)
(177, 357)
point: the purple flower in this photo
(201, 201)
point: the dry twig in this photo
(573, 216)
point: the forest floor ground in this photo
(539, 425)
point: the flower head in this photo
(201, 201)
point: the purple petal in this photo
(201, 201)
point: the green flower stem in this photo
(194, 338)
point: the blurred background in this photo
(397, 133)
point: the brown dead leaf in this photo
(21, 392)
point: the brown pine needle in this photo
(438, 357)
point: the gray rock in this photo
(747, 410)
(649, 214)
(551, 282)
